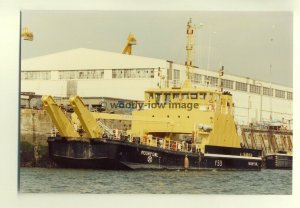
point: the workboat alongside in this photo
(279, 160)
(275, 139)
(182, 127)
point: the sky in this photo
(257, 45)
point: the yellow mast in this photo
(189, 48)
(221, 74)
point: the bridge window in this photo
(185, 96)
(202, 95)
(193, 95)
(167, 98)
(175, 95)
(157, 97)
(149, 95)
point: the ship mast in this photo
(189, 48)
(221, 74)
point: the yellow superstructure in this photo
(205, 116)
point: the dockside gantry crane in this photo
(130, 42)
(26, 34)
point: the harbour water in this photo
(42, 180)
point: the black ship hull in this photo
(121, 155)
(278, 161)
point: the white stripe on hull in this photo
(232, 156)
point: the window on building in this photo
(267, 91)
(132, 73)
(213, 81)
(196, 78)
(36, 75)
(81, 74)
(151, 72)
(227, 83)
(176, 74)
(280, 93)
(117, 73)
(241, 86)
(129, 74)
(255, 89)
(72, 74)
(289, 95)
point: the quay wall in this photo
(35, 128)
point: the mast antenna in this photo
(189, 47)
(221, 74)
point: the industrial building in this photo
(101, 74)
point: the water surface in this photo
(42, 180)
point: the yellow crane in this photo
(60, 120)
(130, 42)
(26, 34)
(87, 120)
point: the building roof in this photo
(83, 58)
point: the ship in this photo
(275, 141)
(279, 160)
(178, 128)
